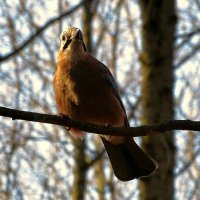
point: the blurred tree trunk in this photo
(87, 24)
(158, 29)
(99, 172)
(80, 170)
(87, 31)
(79, 145)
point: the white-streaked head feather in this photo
(71, 39)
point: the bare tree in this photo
(43, 154)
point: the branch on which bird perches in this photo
(164, 126)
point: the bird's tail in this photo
(129, 161)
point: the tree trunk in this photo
(87, 25)
(158, 28)
(80, 169)
(99, 173)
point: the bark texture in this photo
(80, 146)
(79, 170)
(158, 28)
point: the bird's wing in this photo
(110, 80)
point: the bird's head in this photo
(71, 40)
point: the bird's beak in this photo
(77, 35)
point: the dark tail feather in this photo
(129, 161)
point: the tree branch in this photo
(167, 125)
(38, 32)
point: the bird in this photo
(85, 90)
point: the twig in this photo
(38, 32)
(167, 125)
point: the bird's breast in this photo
(83, 94)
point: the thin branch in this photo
(97, 158)
(167, 125)
(188, 164)
(38, 32)
(187, 57)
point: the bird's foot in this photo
(63, 116)
(68, 128)
(109, 125)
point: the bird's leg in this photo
(68, 128)
(61, 115)
(109, 125)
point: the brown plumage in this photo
(85, 90)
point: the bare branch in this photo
(188, 164)
(188, 56)
(38, 32)
(97, 158)
(167, 125)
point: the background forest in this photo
(152, 48)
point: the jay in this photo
(85, 90)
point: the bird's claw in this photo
(109, 125)
(68, 128)
(63, 116)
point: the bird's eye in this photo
(63, 38)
